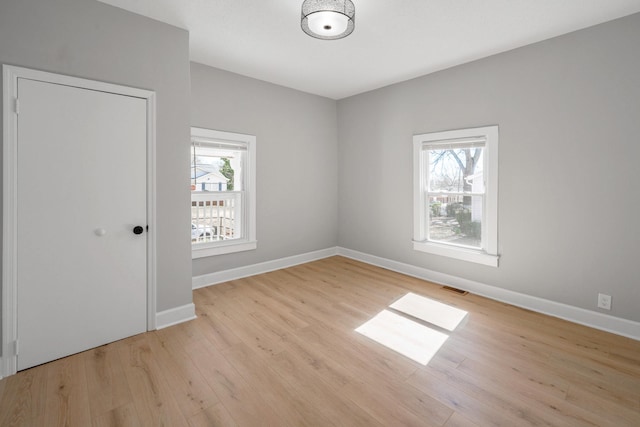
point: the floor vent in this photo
(456, 290)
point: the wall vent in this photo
(456, 290)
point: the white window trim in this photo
(489, 254)
(248, 241)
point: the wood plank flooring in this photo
(279, 349)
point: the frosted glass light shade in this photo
(328, 19)
(327, 23)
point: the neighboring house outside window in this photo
(223, 209)
(456, 194)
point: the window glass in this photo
(456, 220)
(216, 180)
(456, 170)
(216, 169)
(455, 215)
(222, 192)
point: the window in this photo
(456, 194)
(223, 208)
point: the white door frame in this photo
(10, 108)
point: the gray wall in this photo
(569, 189)
(92, 40)
(297, 164)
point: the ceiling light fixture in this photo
(328, 19)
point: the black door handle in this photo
(138, 229)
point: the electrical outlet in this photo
(604, 301)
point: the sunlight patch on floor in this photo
(411, 338)
(431, 311)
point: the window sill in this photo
(222, 248)
(463, 254)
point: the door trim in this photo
(11, 74)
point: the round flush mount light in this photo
(328, 19)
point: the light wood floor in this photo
(279, 349)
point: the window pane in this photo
(215, 216)
(216, 193)
(455, 220)
(457, 170)
(216, 169)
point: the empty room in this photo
(402, 213)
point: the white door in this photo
(81, 190)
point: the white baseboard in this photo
(605, 322)
(616, 325)
(176, 315)
(263, 267)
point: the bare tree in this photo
(466, 158)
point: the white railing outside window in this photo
(216, 215)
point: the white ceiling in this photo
(393, 41)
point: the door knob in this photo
(100, 231)
(138, 229)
